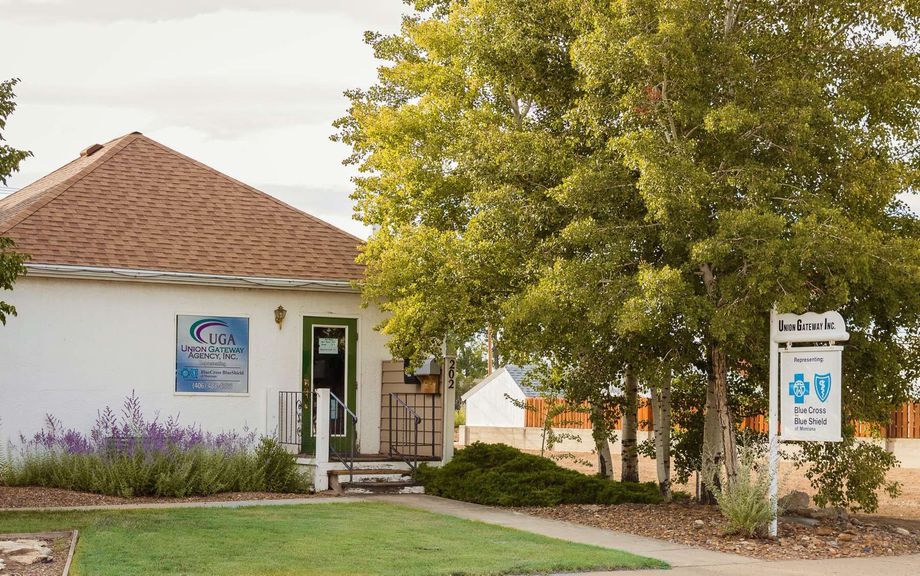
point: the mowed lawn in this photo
(348, 538)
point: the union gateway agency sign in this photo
(212, 354)
(809, 390)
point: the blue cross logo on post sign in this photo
(799, 388)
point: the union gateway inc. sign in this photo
(809, 327)
(212, 354)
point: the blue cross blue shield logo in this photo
(799, 388)
(822, 386)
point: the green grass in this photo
(312, 539)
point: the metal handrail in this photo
(290, 418)
(348, 460)
(394, 448)
(342, 404)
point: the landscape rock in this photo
(795, 501)
(824, 531)
(25, 551)
(30, 558)
(901, 531)
(845, 537)
(800, 520)
(14, 547)
(830, 513)
(698, 524)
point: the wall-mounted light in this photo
(280, 313)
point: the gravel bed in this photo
(704, 526)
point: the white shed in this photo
(487, 403)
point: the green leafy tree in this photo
(639, 182)
(471, 365)
(11, 262)
(770, 142)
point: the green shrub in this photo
(174, 472)
(277, 469)
(745, 503)
(460, 417)
(848, 474)
(499, 475)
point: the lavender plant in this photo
(127, 454)
(130, 429)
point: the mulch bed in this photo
(703, 526)
(37, 497)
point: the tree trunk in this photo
(600, 433)
(630, 455)
(719, 431)
(661, 413)
(726, 423)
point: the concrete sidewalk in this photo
(685, 560)
(670, 552)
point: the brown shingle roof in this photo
(137, 204)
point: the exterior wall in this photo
(488, 406)
(79, 345)
(532, 438)
(906, 450)
(429, 407)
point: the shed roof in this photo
(133, 203)
(517, 373)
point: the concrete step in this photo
(400, 487)
(368, 471)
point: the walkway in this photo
(685, 560)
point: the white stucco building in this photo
(153, 273)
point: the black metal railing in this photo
(339, 414)
(290, 418)
(413, 430)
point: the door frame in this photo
(341, 442)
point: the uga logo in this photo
(822, 386)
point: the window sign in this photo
(212, 354)
(328, 345)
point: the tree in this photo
(770, 141)
(620, 183)
(471, 365)
(11, 262)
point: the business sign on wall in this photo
(809, 390)
(212, 354)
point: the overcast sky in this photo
(250, 87)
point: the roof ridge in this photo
(55, 192)
(252, 189)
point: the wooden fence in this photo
(904, 423)
(537, 409)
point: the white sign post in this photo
(809, 382)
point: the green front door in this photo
(330, 347)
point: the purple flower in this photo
(131, 430)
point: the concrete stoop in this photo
(370, 480)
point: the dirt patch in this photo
(58, 542)
(704, 526)
(37, 497)
(906, 506)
